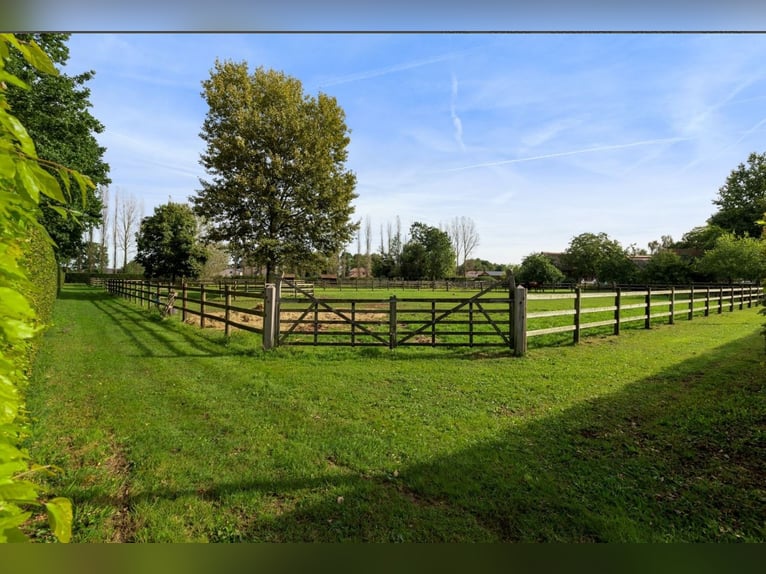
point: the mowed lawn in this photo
(165, 433)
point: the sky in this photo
(535, 137)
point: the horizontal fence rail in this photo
(496, 316)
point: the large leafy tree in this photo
(667, 267)
(741, 200)
(168, 245)
(538, 268)
(701, 238)
(56, 113)
(428, 254)
(734, 258)
(596, 256)
(278, 191)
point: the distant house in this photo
(472, 274)
(358, 273)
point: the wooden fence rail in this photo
(494, 317)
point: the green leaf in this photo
(19, 491)
(13, 80)
(85, 184)
(60, 518)
(33, 54)
(60, 210)
(49, 185)
(39, 59)
(9, 527)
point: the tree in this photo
(667, 267)
(464, 237)
(428, 254)
(735, 259)
(595, 256)
(56, 114)
(129, 216)
(168, 245)
(742, 199)
(279, 189)
(538, 268)
(701, 238)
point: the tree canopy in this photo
(168, 245)
(278, 191)
(538, 268)
(57, 116)
(734, 259)
(596, 256)
(741, 200)
(428, 254)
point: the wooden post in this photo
(392, 322)
(617, 311)
(316, 322)
(202, 305)
(353, 323)
(691, 303)
(672, 305)
(578, 308)
(648, 319)
(720, 300)
(520, 321)
(183, 301)
(433, 323)
(707, 302)
(270, 321)
(226, 311)
(470, 324)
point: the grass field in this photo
(168, 433)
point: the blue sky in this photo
(536, 137)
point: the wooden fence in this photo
(497, 316)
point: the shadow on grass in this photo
(679, 456)
(148, 333)
(83, 293)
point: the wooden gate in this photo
(482, 320)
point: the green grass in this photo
(168, 433)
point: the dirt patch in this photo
(122, 521)
(287, 318)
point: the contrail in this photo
(453, 113)
(566, 153)
(383, 71)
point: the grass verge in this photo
(168, 433)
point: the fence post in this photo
(720, 300)
(617, 310)
(648, 319)
(672, 305)
(578, 308)
(707, 302)
(269, 318)
(201, 305)
(520, 321)
(226, 311)
(691, 302)
(183, 301)
(392, 322)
